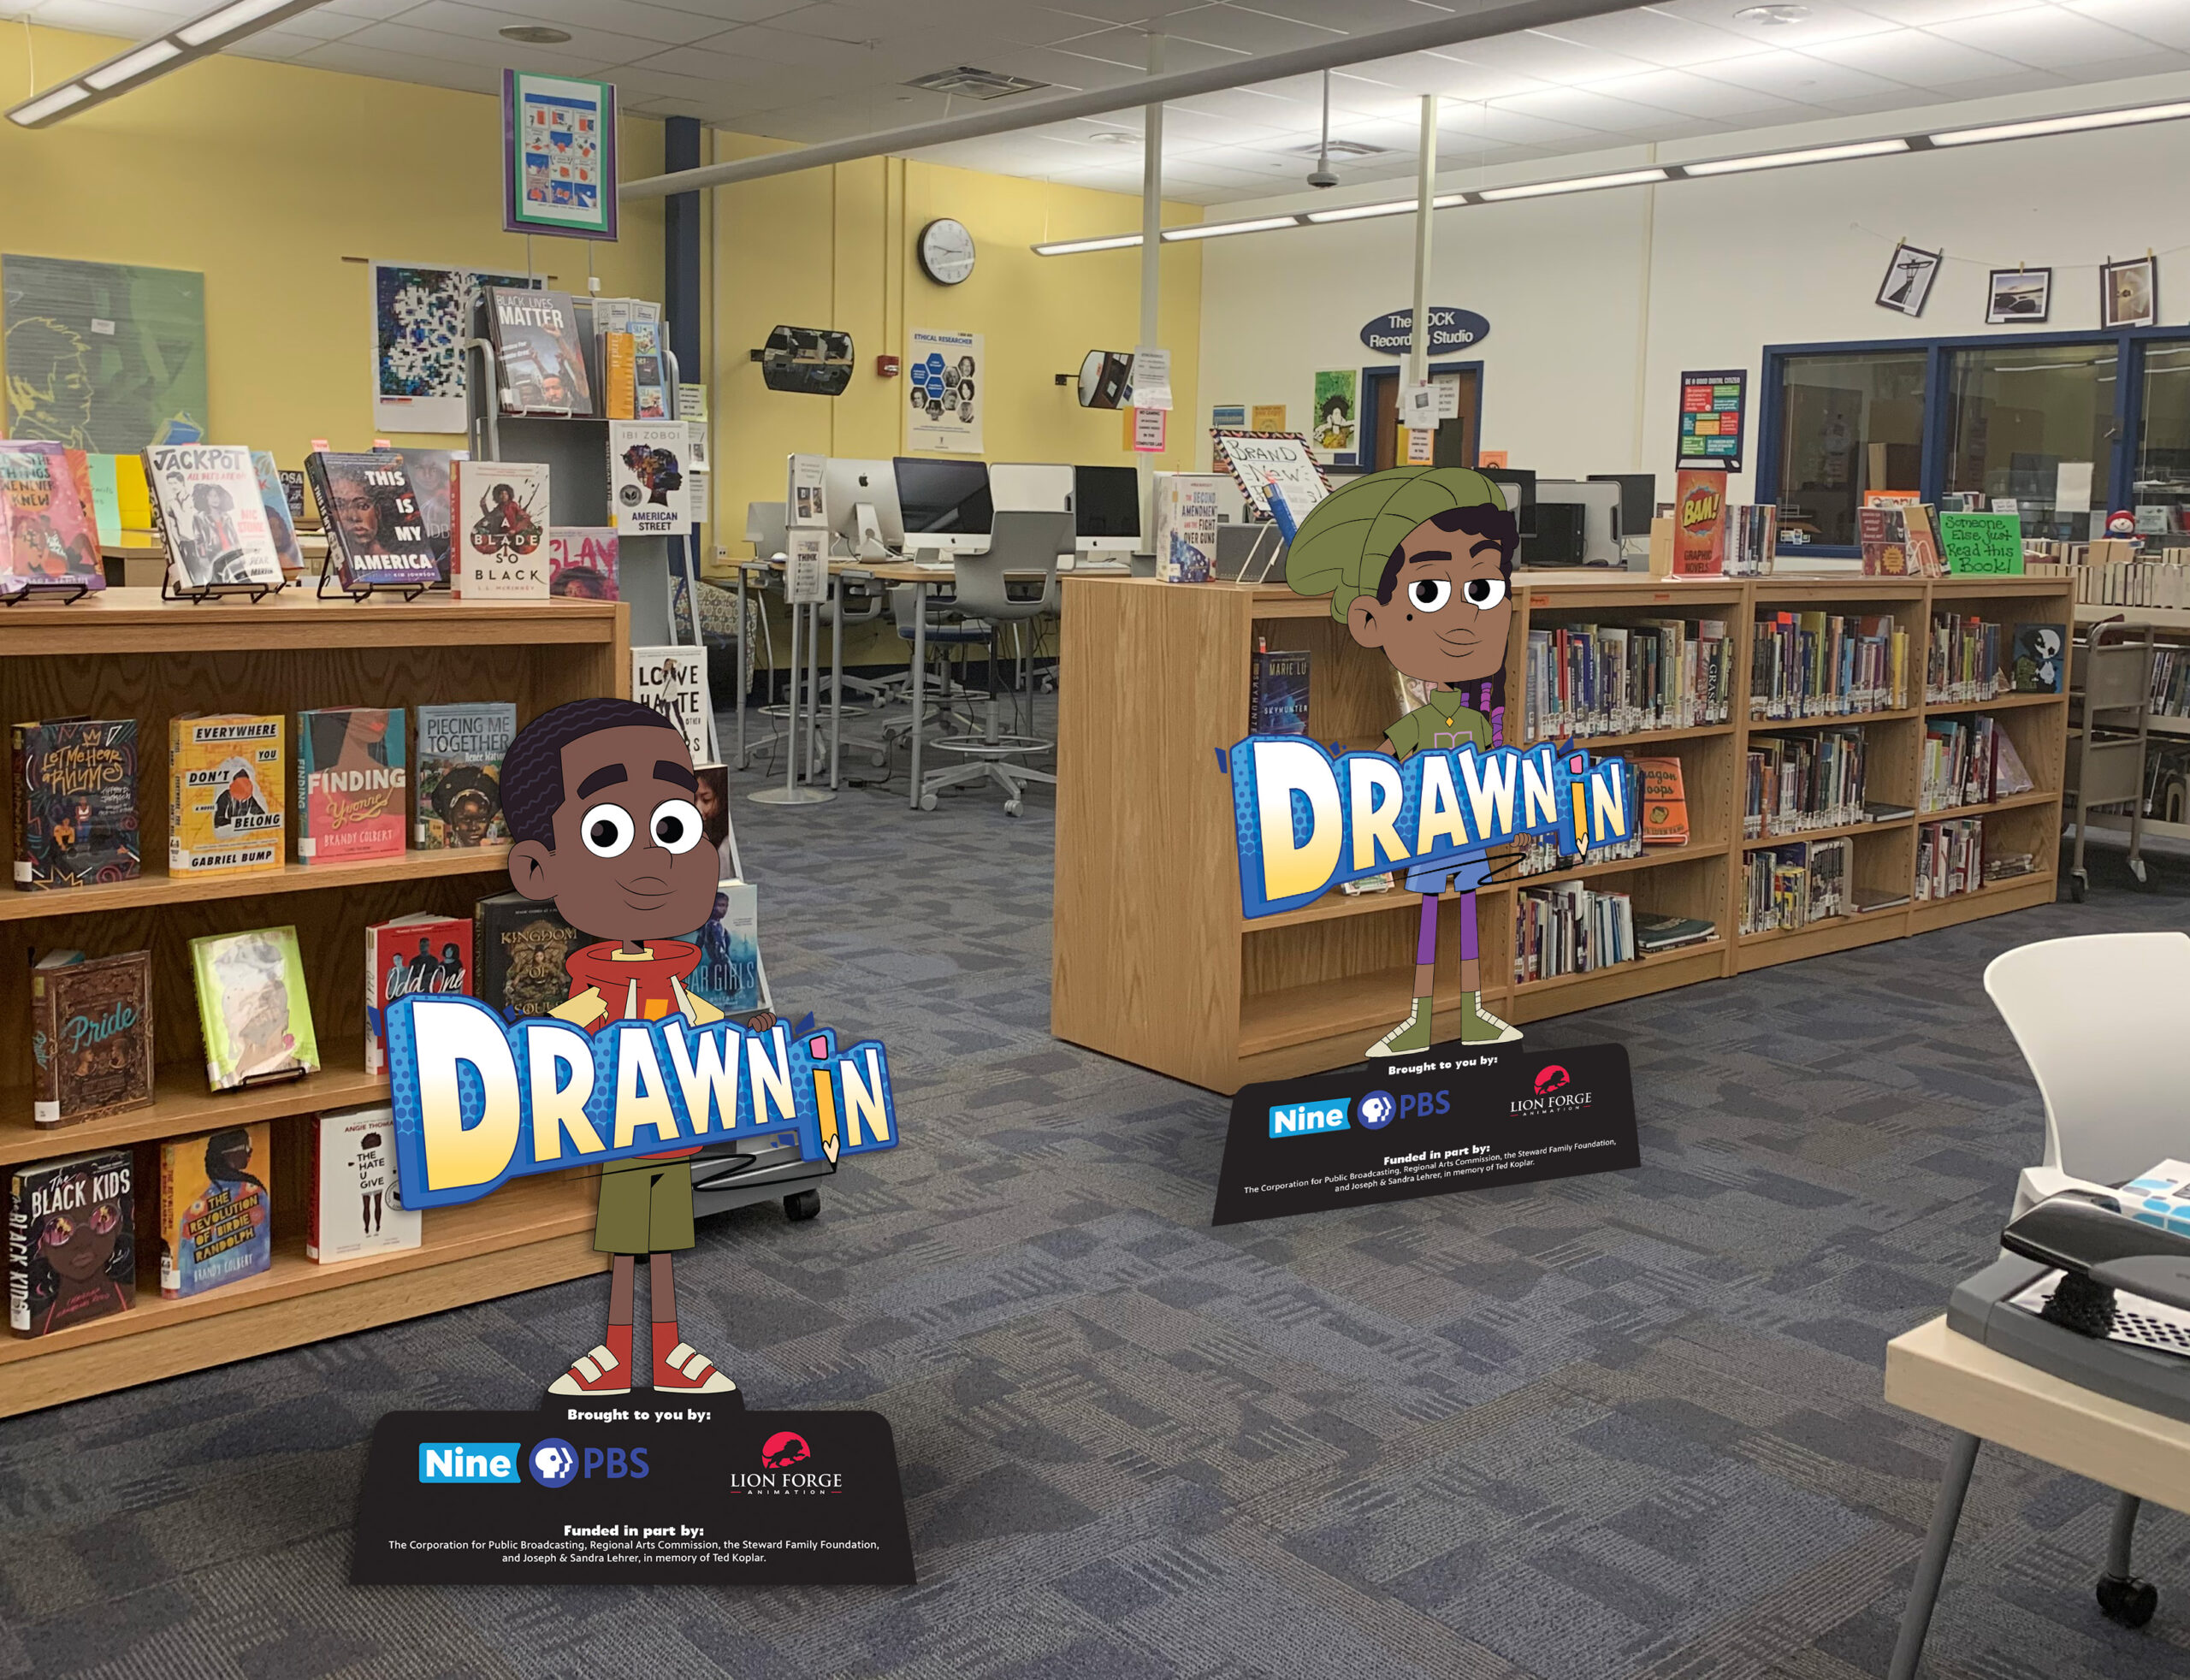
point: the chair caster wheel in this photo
(2127, 1600)
(1011, 807)
(927, 801)
(880, 761)
(808, 1202)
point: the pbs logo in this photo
(1377, 1110)
(552, 1463)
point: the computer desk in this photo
(1984, 1395)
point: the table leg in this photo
(743, 656)
(920, 683)
(836, 675)
(1931, 1566)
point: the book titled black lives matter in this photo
(75, 801)
(72, 1244)
(375, 524)
(536, 343)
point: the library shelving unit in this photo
(127, 654)
(1153, 962)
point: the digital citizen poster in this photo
(943, 375)
(422, 317)
(104, 356)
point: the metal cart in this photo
(2108, 701)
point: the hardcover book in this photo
(72, 1241)
(224, 794)
(352, 771)
(217, 1215)
(729, 975)
(211, 515)
(91, 1036)
(252, 1008)
(458, 789)
(432, 475)
(376, 527)
(499, 551)
(581, 562)
(519, 944)
(354, 1205)
(2040, 653)
(674, 682)
(1699, 523)
(647, 494)
(280, 519)
(1664, 802)
(75, 801)
(302, 516)
(535, 337)
(1883, 533)
(1277, 693)
(714, 799)
(649, 397)
(420, 952)
(619, 398)
(47, 535)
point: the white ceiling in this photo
(1679, 71)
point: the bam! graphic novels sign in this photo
(1460, 1117)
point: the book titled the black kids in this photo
(72, 1249)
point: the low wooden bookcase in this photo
(1153, 962)
(127, 655)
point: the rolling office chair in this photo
(1026, 542)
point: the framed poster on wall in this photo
(558, 155)
(1712, 413)
(104, 356)
(422, 317)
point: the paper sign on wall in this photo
(944, 383)
(1418, 406)
(1150, 427)
(1421, 446)
(2072, 487)
(1266, 417)
(1984, 544)
(1152, 377)
(1712, 411)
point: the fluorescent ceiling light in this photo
(225, 22)
(1780, 160)
(1071, 247)
(1215, 230)
(1580, 184)
(50, 104)
(116, 71)
(2061, 125)
(1387, 207)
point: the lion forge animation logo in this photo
(783, 1449)
(1553, 1078)
(1551, 1089)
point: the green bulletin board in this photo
(1982, 544)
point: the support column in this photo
(1417, 357)
(680, 251)
(1151, 255)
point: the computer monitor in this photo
(945, 504)
(861, 497)
(1106, 509)
(764, 529)
(1019, 488)
(1638, 500)
(1595, 540)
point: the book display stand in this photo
(328, 574)
(127, 653)
(53, 592)
(171, 591)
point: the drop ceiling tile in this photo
(1921, 14)
(104, 17)
(1450, 74)
(1585, 108)
(1136, 11)
(1689, 94)
(1548, 59)
(635, 19)
(352, 57)
(1657, 37)
(1356, 17)
(273, 45)
(706, 66)
(2045, 38)
(2022, 80)
(2166, 21)
(1827, 21)
(1916, 58)
(361, 9)
(1810, 82)
(479, 24)
(1254, 34)
(1499, 123)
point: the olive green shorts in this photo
(646, 1208)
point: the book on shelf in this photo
(1585, 679)
(1655, 932)
(103, 473)
(431, 472)
(1926, 558)
(211, 516)
(620, 395)
(281, 520)
(1277, 691)
(75, 801)
(1950, 858)
(72, 1241)
(1665, 801)
(1700, 522)
(1884, 811)
(133, 493)
(1815, 664)
(519, 945)
(729, 975)
(47, 532)
(91, 1036)
(1882, 536)
(1963, 660)
(581, 562)
(1183, 519)
(1803, 781)
(2040, 653)
(649, 395)
(351, 776)
(1541, 856)
(303, 515)
(224, 794)
(1569, 929)
(355, 1209)
(217, 1215)
(499, 515)
(536, 339)
(376, 530)
(646, 492)
(1752, 539)
(459, 788)
(252, 1008)
(1970, 761)
(1830, 861)
(422, 952)
(712, 797)
(1865, 900)
(674, 681)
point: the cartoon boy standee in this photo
(599, 798)
(1418, 561)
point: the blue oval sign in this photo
(1393, 335)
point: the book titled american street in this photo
(419, 953)
(674, 682)
(75, 801)
(535, 337)
(498, 533)
(252, 1008)
(376, 530)
(91, 1036)
(224, 794)
(458, 792)
(217, 1215)
(72, 1241)
(646, 492)
(211, 515)
(352, 775)
(355, 1208)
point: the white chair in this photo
(2103, 1021)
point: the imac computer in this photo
(1106, 510)
(763, 529)
(1017, 488)
(862, 500)
(945, 504)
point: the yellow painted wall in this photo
(265, 177)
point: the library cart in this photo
(2109, 702)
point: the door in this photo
(1457, 438)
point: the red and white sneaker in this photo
(684, 1369)
(599, 1372)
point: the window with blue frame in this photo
(1849, 421)
(2160, 485)
(2020, 411)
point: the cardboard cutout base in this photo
(646, 1489)
(1455, 1117)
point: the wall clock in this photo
(946, 251)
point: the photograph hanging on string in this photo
(2128, 292)
(1908, 277)
(2018, 295)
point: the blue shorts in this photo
(1459, 875)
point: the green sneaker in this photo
(1411, 1035)
(1479, 1026)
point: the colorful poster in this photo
(422, 317)
(1713, 409)
(1266, 417)
(104, 357)
(558, 164)
(1338, 392)
(944, 383)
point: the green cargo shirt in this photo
(1446, 722)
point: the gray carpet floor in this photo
(1625, 1425)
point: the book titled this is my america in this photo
(353, 776)
(375, 524)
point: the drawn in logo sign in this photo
(1551, 1078)
(783, 1449)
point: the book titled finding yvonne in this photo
(353, 776)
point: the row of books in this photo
(1824, 664)
(1900, 539)
(1619, 679)
(2126, 580)
(1971, 659)
(1805, 781)
(1949, 857)
(72, 1222)
(1793, 885)
(1569, 929)
(1656, 791)
(1970, 761)
(2170, 689)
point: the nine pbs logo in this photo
(1375, 1111)
(552, 1463)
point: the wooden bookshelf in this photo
(1153, 962)
(127, 654)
